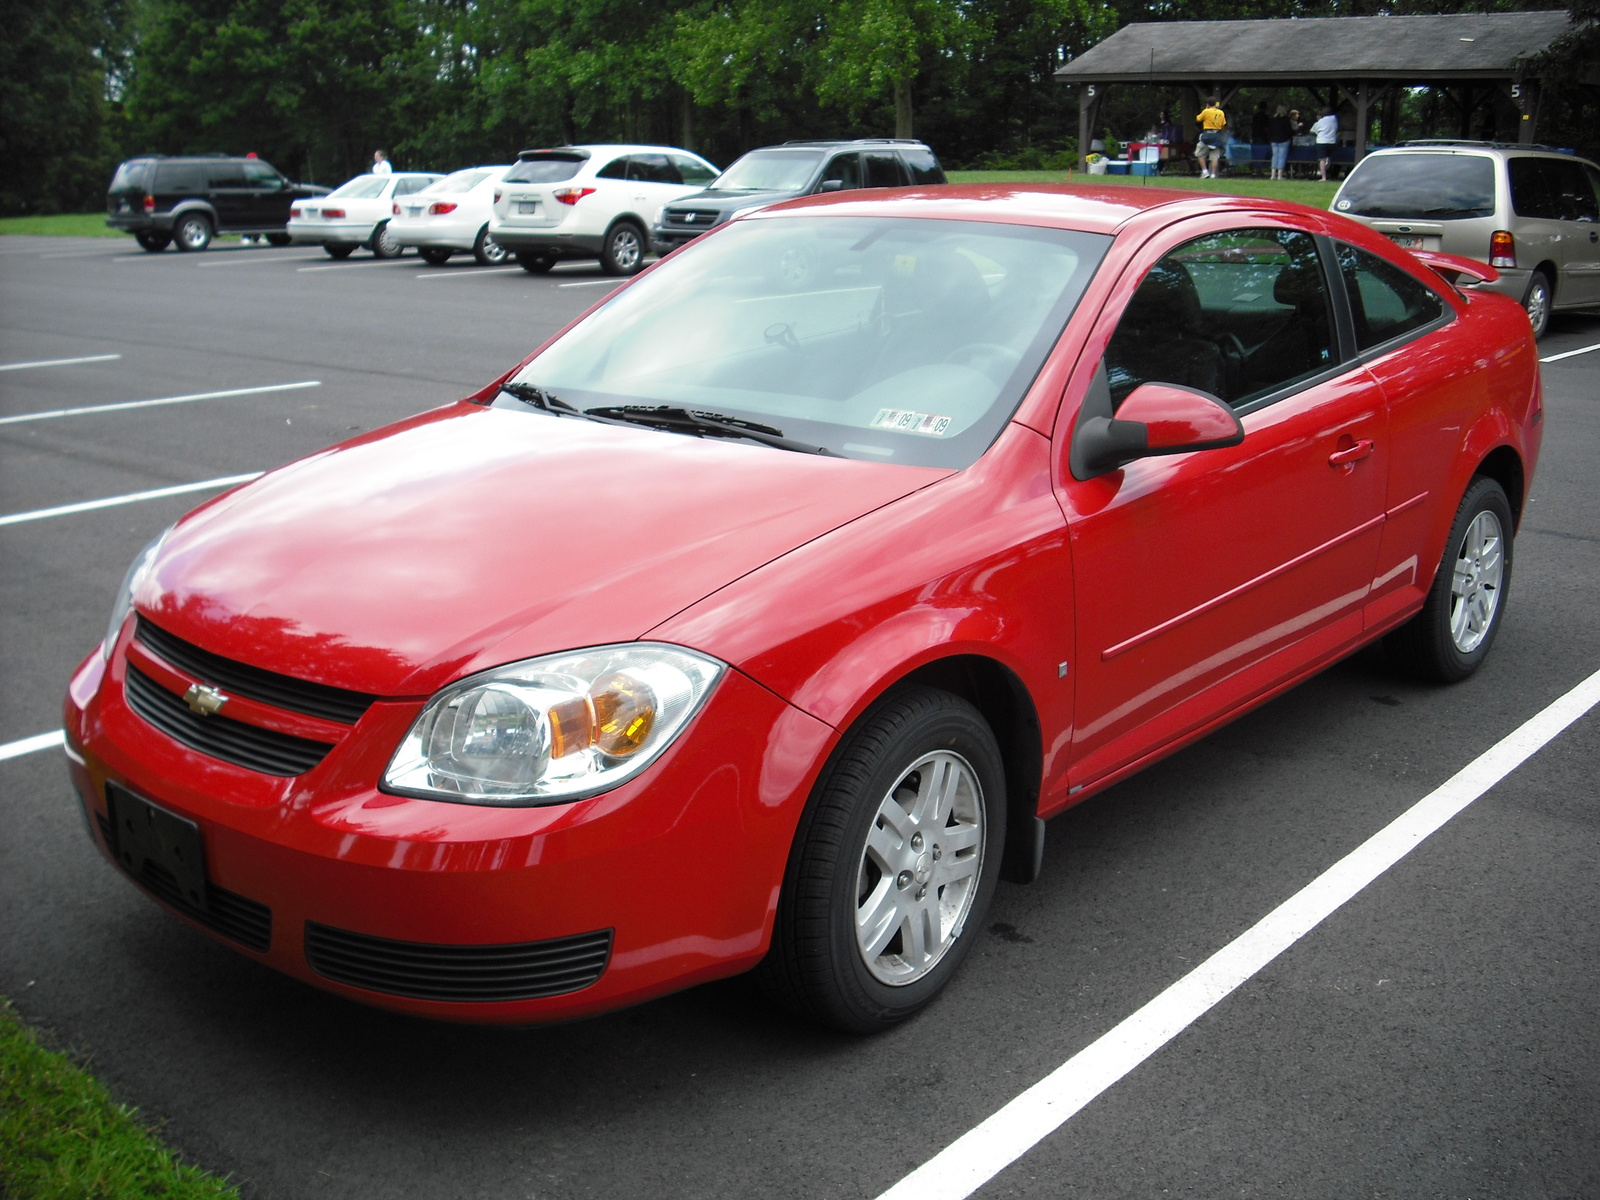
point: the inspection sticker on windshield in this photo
(904, 421)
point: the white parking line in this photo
(470, 273)
(594, 283)
(254, 261)
(1571, 353)
(57, 362)
(28, 745)
(392, 262)
(126, 404)
(112, 501)
(978, 1156)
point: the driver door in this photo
(1206, 579)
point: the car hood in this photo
(729, 201)
(470, 537)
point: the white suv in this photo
(591, 202)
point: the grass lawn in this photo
(61, 225)
(62, 1137)
(1301, 191)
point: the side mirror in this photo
(832, 185)
(1157, 418)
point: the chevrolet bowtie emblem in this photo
(204, 700)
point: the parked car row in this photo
(570, 202)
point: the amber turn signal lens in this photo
(1502, 249)
(624, 714)
(571, 727)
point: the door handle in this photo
(1350, 454)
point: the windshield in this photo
(362, 187)
(1434, 187)
(460, 181)
(882, 338)
(770, 171)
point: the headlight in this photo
(551, 729)
(130, 581)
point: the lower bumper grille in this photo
(237, 918)
(244, 745)
(480, 974)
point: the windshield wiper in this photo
(703, 424)
(530, 393)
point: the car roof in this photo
(607, 148)
(1092, 208)
(1485, 149)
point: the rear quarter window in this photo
(1550, 189)
(1432, 187)
(923, 165)
(1385, 302)
(130, 176)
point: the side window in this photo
(617, 168)
(845, 168)
(652, 168)
(1569, 189)
(259, 175)
(225, 175)
(883, 169)
(1385, 301)
(1239, 314)
(1530, 189)
(179, 177)
(923, 165)
(692, 170)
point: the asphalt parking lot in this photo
(1438, 1035)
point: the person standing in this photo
(380, 163)
(1326, 131)
(1213, 121)
(1280, 133)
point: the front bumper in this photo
(671, 879)
(665, 240)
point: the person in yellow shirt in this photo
(1213, 124)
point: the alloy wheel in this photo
(1475, 585)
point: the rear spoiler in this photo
(1453, 267)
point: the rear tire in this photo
(278, 239)
(340, 250)
(192, 232)
(435, 256)
(153, 242)
(1538, 299)
(487, 252)
(383, 244)
(893, 865)
(536, 264)
(624, 249)
(1451, 636)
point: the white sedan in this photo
(591, 202)
(451, 216)
(356, 214)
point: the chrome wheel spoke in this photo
(1475, 582)
(879, 918)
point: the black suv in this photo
(190, 200)
(776, 173)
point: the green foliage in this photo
(62, 1137)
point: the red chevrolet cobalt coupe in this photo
(761, 617)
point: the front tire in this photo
(339, 250)
(536, 264)
(279, 239)
(383, 243)
(434, 256)
(894, 865)
(1451, 636)
(624, 249)
(487, 252)
(1538, 300)
(192, 233)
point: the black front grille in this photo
(520, 971)
(237, 918)
(696, 218)
(268, 687)
(264, 750)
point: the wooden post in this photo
(1088, 114)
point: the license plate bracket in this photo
(148, 839)
(527, 208)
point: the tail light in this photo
(1502, 249)
(439, 207)
(396, 209)
(497, 194)
(333, 212)
(149, 204)
(572, 195)
(294, 212)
